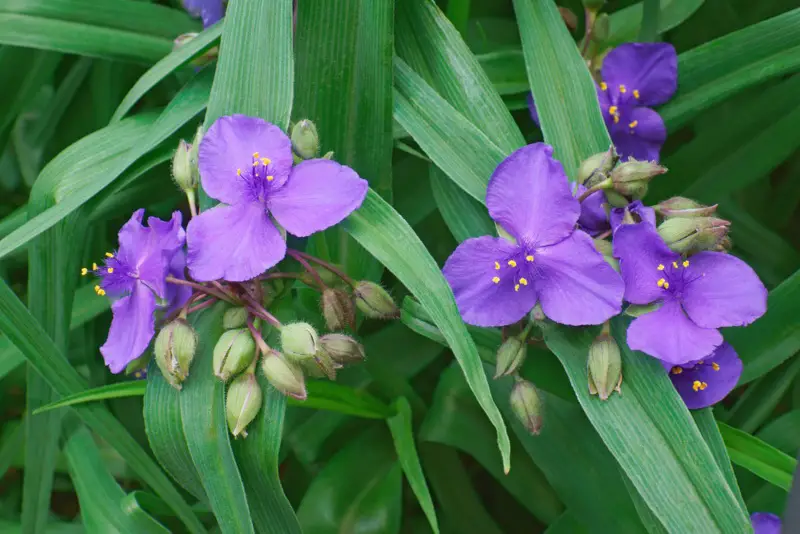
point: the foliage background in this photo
(422, 101)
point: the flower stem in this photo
(599, 187)
(263, 348)
(202, 306)
(258, 310)
(296, 254)
(312, 272)
(190, 197)
(223, 295)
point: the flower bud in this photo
(341, 348)
(683, 207)
(242, 403)
(305, 140)
(615, 200)
(233, 352)
(537, 314)
(594, 5)
(604, 367)
(174, 349)
(374, 301)
(299, 341)
(321, 365)
(601, 29)
(510, 356)
(527, 405)
(182, 167)
(607, 250)
(631, 177)
(689, 235)
(234, 318)
(338, 309)
(284, 376)
(597, 167)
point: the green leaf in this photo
(323, 395)
(131, 388)
(464, 216)
(626, 23)
(402, 434)
(704, 419)
(391, 240)
(758, 457)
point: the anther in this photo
(238, 172)
(110, 270)
(497, 266)
(109, 255)
(97, 289)
(660, 267)
(529, 257)
(265, 161)
(715, 366)
(676, 370)
(666, 285)
(616, 119)
(255, 155)
(496, 279)
(102, 292)
(636, 93)
(661, 282)
(685, 263)
(512, 263)
(622, 89)
(603, 86)
(270, 178)
(613, 110)
(675, 264)
(633, 124)
(84, 271)
(697, 385)
(516, 287)
(523, 281)
(94, 266)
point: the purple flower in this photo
(765, 523)
(635, 76)
(696, 296)
(246, 163)
(497, 282)
(593, 218)
(707, 381)
(208, 10)
(135, 276)
(640, 212)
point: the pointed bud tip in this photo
(242, 403)
(305, 139)
(341, 348)
(604, 366)
(374, 301)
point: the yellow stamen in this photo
(497, 266)
(715, 366)
(523, 281)
(110, 270)
(703, 386)
(255, 155)
(512, 263)
(270, 178)
(676, 370)
(94, 266)
(660, 267)
(516, 287)
(265, 161)
(701, 362)
(633, 124)
(238, 172)
(109, 255)
(661, 282)
(675, 264)
(613, 110)
(496, 279)
(84, 271)
(636, 93)
(529, 257)
(102, 292)
(255, 163)
(603, 86)
(97, 289)
(666, 285)
(697, 385)
(685, 263)
(616, 119)
(622, 89)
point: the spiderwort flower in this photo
(707, 381)
(210, 11)
(135, 276)
(246, 163)
(696, 295)
(635, 77)
(496, 282)
(765, 523)
(637, 210)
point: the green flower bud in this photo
(174, 349)
(338, 309)
(683, 207)
(234, 318)
(631, 177)
(285, 377)
(595, 168)
(690, 235)
(607, 250)
(305, 139)
(374, 301)
(321, 365)
(527, 405)
(233, 352)
(615, 200)
(601, 29)
(341, 348)
(242, 403)
(604, 367)
(510, 356)
(299, 341)
(182, 167)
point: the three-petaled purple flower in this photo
(210, 11)
(496, 282)
(707, 381)
(635, 77)
(137, 273)
(246, 163)
(765, 523)
(697, 295)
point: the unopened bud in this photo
(233, 352)
(607, 250)
(683, 207)
(689, 235)
(604, 367)
(537, 314)
(174, 349)
(595, 168)
(242, 403)
(615, 200)
(234, 318)
(631, 177)
(305, 139)
(299, 341)
(594, 5)
(321, 365)
(284, 376)
(724, 245)
(338, 309)
(527, 405)
(510, 356)
(182, 167)
(341, 348)
(601, 29)
(374, 301)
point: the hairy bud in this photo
(338, 309)
(374, 301)
(233, 352)
(690, 235)
(527, 405)
(174, 349)
(630, 178)
(601, 29)
(305, 139)
(510, 356)
(284, 376)
(595, 168)
(683, 207)
(299, 341)
(234, 318)
(182, 167)
(604, 367)
(341, 348)
(242, 404)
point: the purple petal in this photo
(532, 109)
(723, 291)
(641, 250)
(177, 295)
(209, 10)
(704, 383)
(575, 284)
(318, 194)
(233, 243)
(670, 336)
(765, 523)
(649, 68)
(640, 211)
(132, 328)
(642, 142)
(593, 218)
(528, 194)
(229, 145)
(470, 271)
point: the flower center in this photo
(697, 385)
(673, 279)
(516, 268)
(620, 98)
(114, 275)
(259, 176)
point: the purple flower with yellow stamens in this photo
(135, 276)
(496, 282)
(246, 164)
(210, 11)
(635, 77)
(695, 296)
(707, 381)
(765, 523)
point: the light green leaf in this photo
(758, 457)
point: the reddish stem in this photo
(325, 265)
(310, 270)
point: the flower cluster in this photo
(231, 253)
